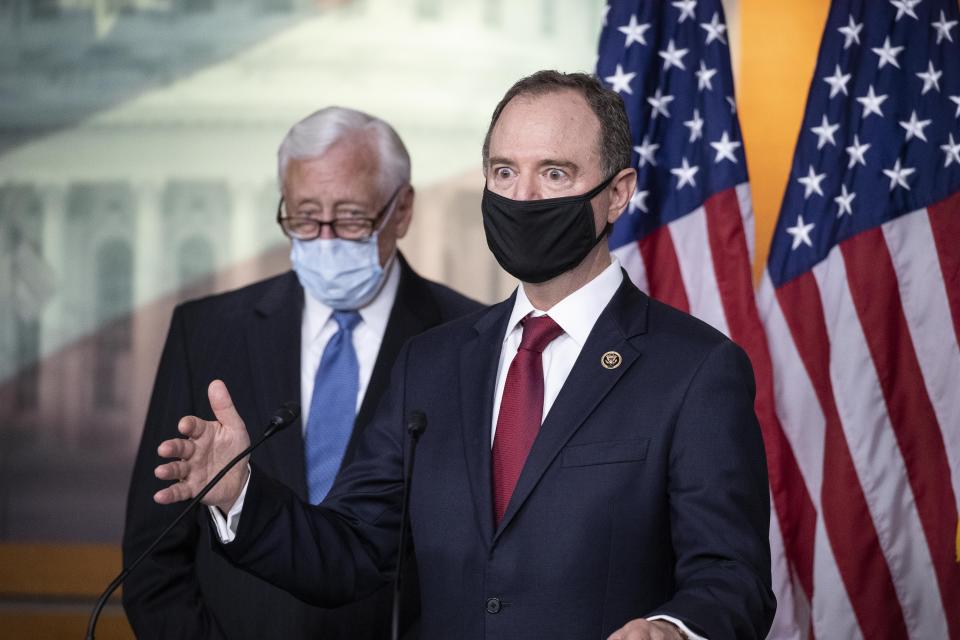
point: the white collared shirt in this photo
(576, 314)
(318, 326)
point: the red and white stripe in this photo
(866, 362)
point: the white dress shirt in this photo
(318, 326)
(576, 314)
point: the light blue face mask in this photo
(342, 274)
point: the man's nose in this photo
(326, 231)
(527, 188)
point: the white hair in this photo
(312, 136)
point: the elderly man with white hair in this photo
(326, 334)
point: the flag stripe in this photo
(872, 278)
(945, 224)
(785, 620)
(689, 235)
(663, 271)
(856, 548)
(880, 467)
(745, 201)
(833, 615)
(728, 249)
(927, 310)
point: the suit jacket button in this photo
(493, 605)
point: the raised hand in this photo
(207, 448)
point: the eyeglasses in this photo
(349, 225)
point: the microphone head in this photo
(285, 415)
(416, 423)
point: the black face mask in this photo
(537, 240)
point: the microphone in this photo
(280, 419)
(416, 425)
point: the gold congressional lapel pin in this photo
(611, 360)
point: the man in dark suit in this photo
(327, 334)
(592, 468)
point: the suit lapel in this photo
(273, 340)
(478, 375)
(586, 386)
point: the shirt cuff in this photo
(227, 526)
(684, 628)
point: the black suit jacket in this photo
(250, 338)
(645, 491)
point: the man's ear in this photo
(621, 190)
(404, 212)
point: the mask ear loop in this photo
(387, 210)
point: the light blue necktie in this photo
(333, 407)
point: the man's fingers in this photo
(176, 470)
(222, 406)
(176, 492)
(191, 426)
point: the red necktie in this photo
(521, 409)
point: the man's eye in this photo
(308, 213)
(503, 172)
(556, 174)
(350, 214)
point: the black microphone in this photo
(281, 418)
(416, 425)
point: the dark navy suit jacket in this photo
(250, 338)
(645, 491)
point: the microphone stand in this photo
(283, 417)
(416, 425)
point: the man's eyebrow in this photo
(563, 164)
(499, 160)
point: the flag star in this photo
(887, 54)
(956, 100)
(931, 78)
(857, 151)
(686, 7)
(800, 233)
(659, 103)
(732, 103)
(685, 174)
(943, 28)
(673, 57)
(851, 32)
(646, 151)
(634, 31)
(915, 127)
(898, 175)
(695, 125)
(871, 103)
(606, 12)
(725, 147)
(812, 183)
(844, 201)
(704, 76)
(952, 149)
(825, 132)
(639, 201)
(620, 81)
(838, 82)
(715, 29)
(905, 7)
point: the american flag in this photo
(861, 301)
(687, 236)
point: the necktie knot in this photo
(346, 320)
(538, 332)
